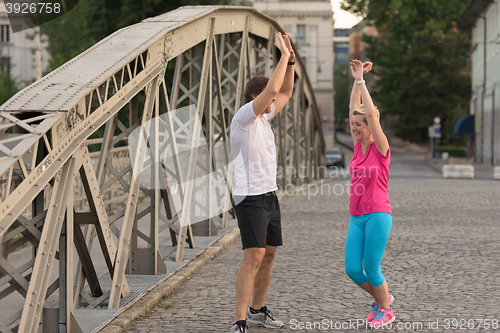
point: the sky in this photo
(343, 19)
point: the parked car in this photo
(334, 157)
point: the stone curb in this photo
(152, 297)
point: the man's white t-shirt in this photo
(254, 152)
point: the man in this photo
(256, 204)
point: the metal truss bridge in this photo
(71, 145)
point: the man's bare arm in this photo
(286, 90)
(266, 97)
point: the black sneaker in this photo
(238, 328)
(264, 318)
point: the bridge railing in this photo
(65, 166)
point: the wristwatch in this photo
(361, 81)
(290, 63)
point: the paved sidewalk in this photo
(441, 263)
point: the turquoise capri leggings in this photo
(365, 245)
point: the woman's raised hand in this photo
(283, 47)
(357, 69)
(367, 66)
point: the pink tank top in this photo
(369, 181)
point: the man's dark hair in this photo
(255, 86)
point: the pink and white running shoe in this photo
(383, 317)
(372, 313)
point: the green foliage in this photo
(419, 56)
(7, 91)
(452, 151)
(8, 86)
(434, 84)
(66, 37)
(341, 83)
(246, 3)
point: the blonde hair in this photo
(360, 110)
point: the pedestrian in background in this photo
(369, 206)
(256, 204)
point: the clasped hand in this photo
(359, 68)
(286, 47)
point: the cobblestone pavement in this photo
(442, 262)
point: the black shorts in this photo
(259, 220)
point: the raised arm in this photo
(371, 114)
(355, 93)
(266, 97)
(355, 98)
(286, 90)
(355, 102)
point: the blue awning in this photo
(465, 125)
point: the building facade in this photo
(310, 26)
(19, 49)
(483, 16)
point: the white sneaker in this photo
(264, 318)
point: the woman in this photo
(369, 206)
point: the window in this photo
(340, 32)
(301, 33)
(5, 33)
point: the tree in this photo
(434, 84)
(8, 86)
(419, 56)
(6, 90)
(341, 83)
